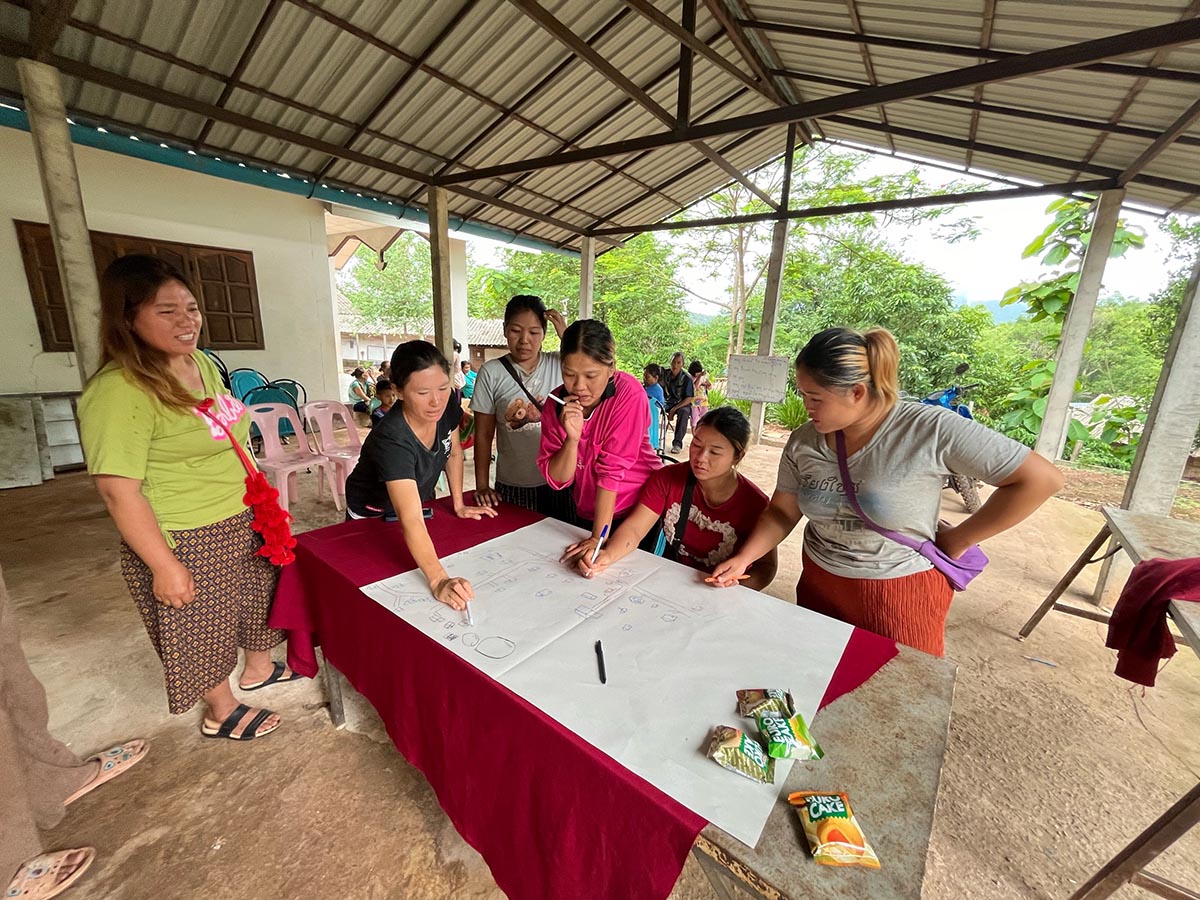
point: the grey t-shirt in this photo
(898, 480)
(517, 439)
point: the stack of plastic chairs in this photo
(270, 393)
(243, 381)
(280, 465)
(321, 417)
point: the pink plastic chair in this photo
(321, 417)
(281, 465)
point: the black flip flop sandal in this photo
(273, 678)
(249, 733)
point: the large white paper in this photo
(676, 650)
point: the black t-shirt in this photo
(392, 452)
(678, 387)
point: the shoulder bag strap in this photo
(512, 370)
(685, 510)
(205, 407)
(852, 497)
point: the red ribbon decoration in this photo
(270, 519)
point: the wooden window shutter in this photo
(223, 280)
(45, 287)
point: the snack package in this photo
(832, 831)
(763, 701)
(741, 753)
(788, 738)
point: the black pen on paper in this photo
(600, 662)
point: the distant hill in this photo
(999, 313)
(699, 318)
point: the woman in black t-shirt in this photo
(403, 456)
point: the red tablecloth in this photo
(553, 816)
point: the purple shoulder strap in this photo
(848, 487)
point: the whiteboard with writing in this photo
(762, 378)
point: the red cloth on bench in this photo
(1138, 628)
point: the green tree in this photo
(638, 295)
(1164, 305)
(858, 282)
(1061, 246)
(822, 176)
(399, 294)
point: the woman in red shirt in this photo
(722, 504)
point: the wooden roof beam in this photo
(1066, 57)
(391, 93)
(873, 40)
(564, 35)
(814, 212)
(239, 69)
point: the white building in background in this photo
(365, 341)
(283, 233)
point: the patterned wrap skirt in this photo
(198, 644)
(910, 609)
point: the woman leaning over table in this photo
(595, 440)
(174, 485)
(898, 454)
(722, 505)
(403, 456)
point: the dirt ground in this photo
(1053, 764)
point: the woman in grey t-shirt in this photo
(898, 454)
(507, 403)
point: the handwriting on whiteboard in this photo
(762, 378)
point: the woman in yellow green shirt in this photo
(174, 484)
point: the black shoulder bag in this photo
(685, 509)
(512, 370)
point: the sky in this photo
(979, 270)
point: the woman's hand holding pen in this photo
(572, 418)
(579, 550)
(730, 572)
(454, 592)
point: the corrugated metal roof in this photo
(493, 86)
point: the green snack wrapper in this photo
(765, 701)
(788, 738)
(738, 752)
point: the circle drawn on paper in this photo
(495, 647)
(627, 627)
(470, 640)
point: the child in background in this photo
(650, 376)
(385, 393)
(469, 375)
(700, 384)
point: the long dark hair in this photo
(415, 356)
(842, 358)
(126, 286)
(592, 338)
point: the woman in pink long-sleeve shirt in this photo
(595, 440)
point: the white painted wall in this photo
(285, 233)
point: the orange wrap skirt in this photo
(910, 609)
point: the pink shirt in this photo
(614, 450)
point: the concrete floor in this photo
(1050, 770)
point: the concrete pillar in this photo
(766, 338)
(1075, 329)
(1171, 423)
(587, 276)
(439, 251)
(42, 90)
(458, 295)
